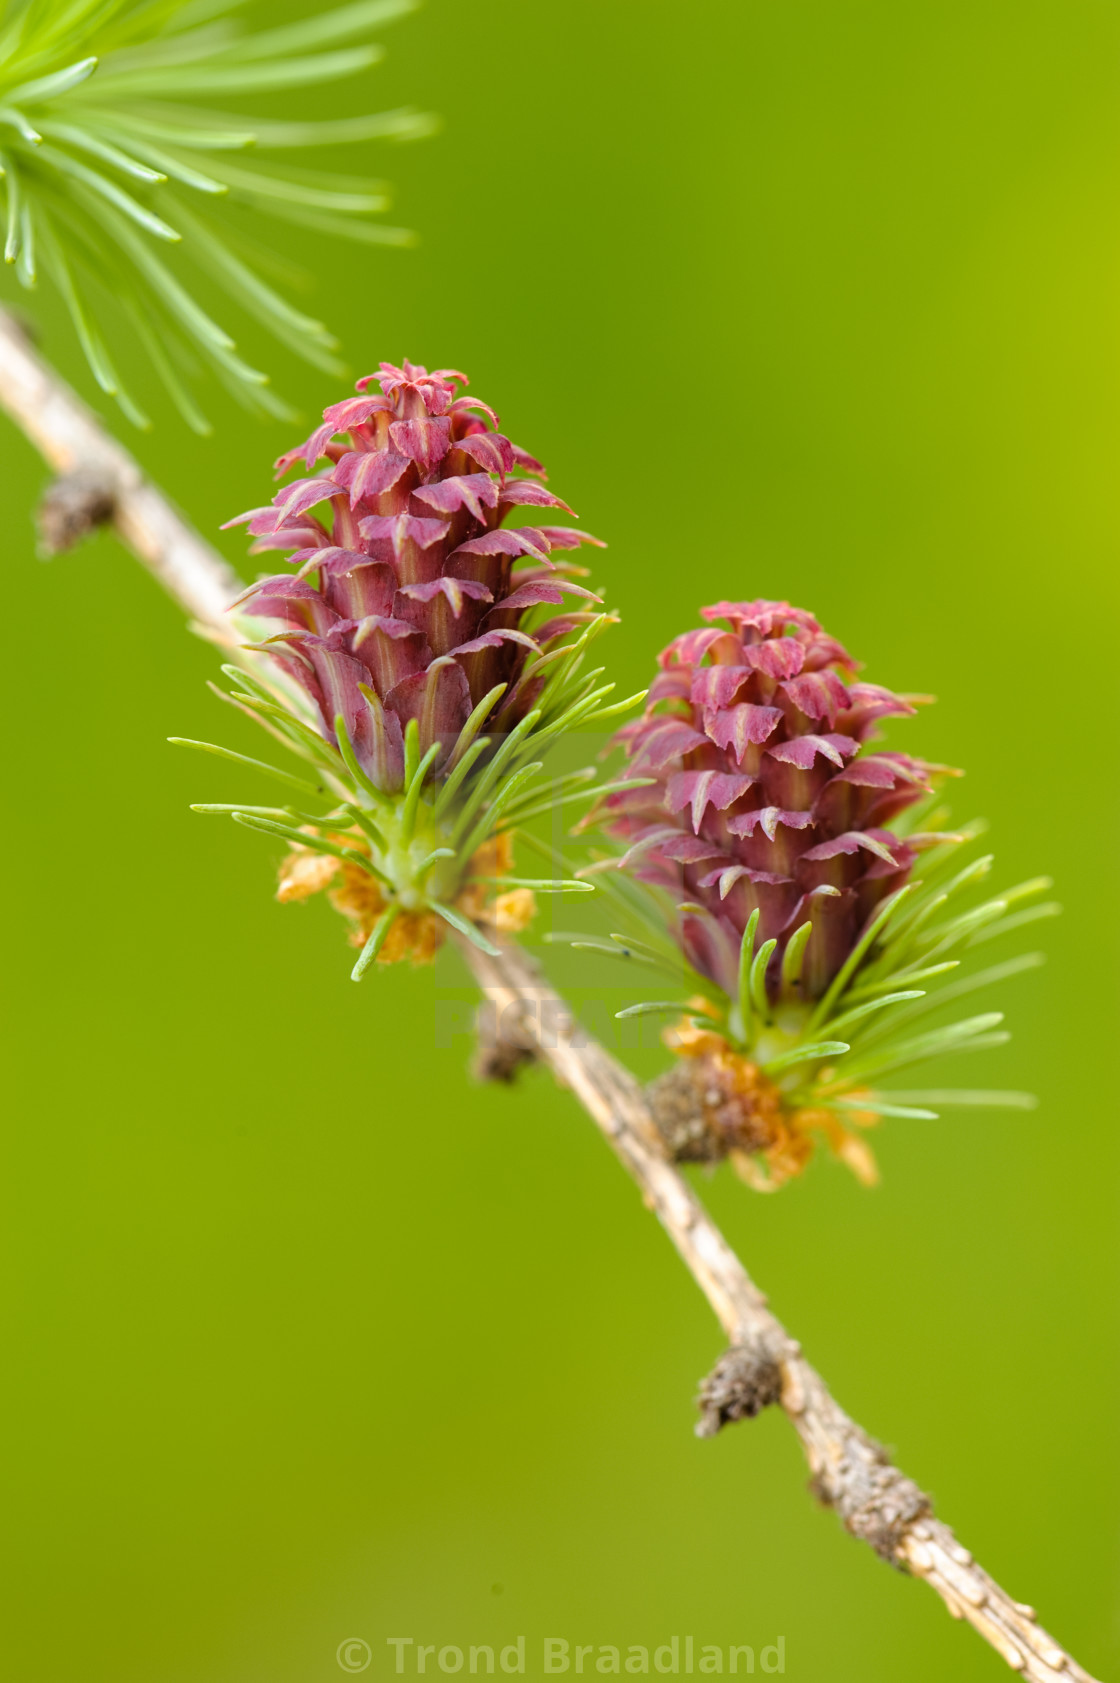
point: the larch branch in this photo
(850, 1472)
(98, 473)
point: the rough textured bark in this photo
(850, 1472)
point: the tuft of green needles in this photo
(124, 185)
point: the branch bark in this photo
(850, 1472)
(105, 478)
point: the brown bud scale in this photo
(707, 1106)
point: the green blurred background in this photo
(308, 1338)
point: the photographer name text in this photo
(679, 1656)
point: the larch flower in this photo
(779, 841)
(410, 591)
(763, 801)
(414, 669)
